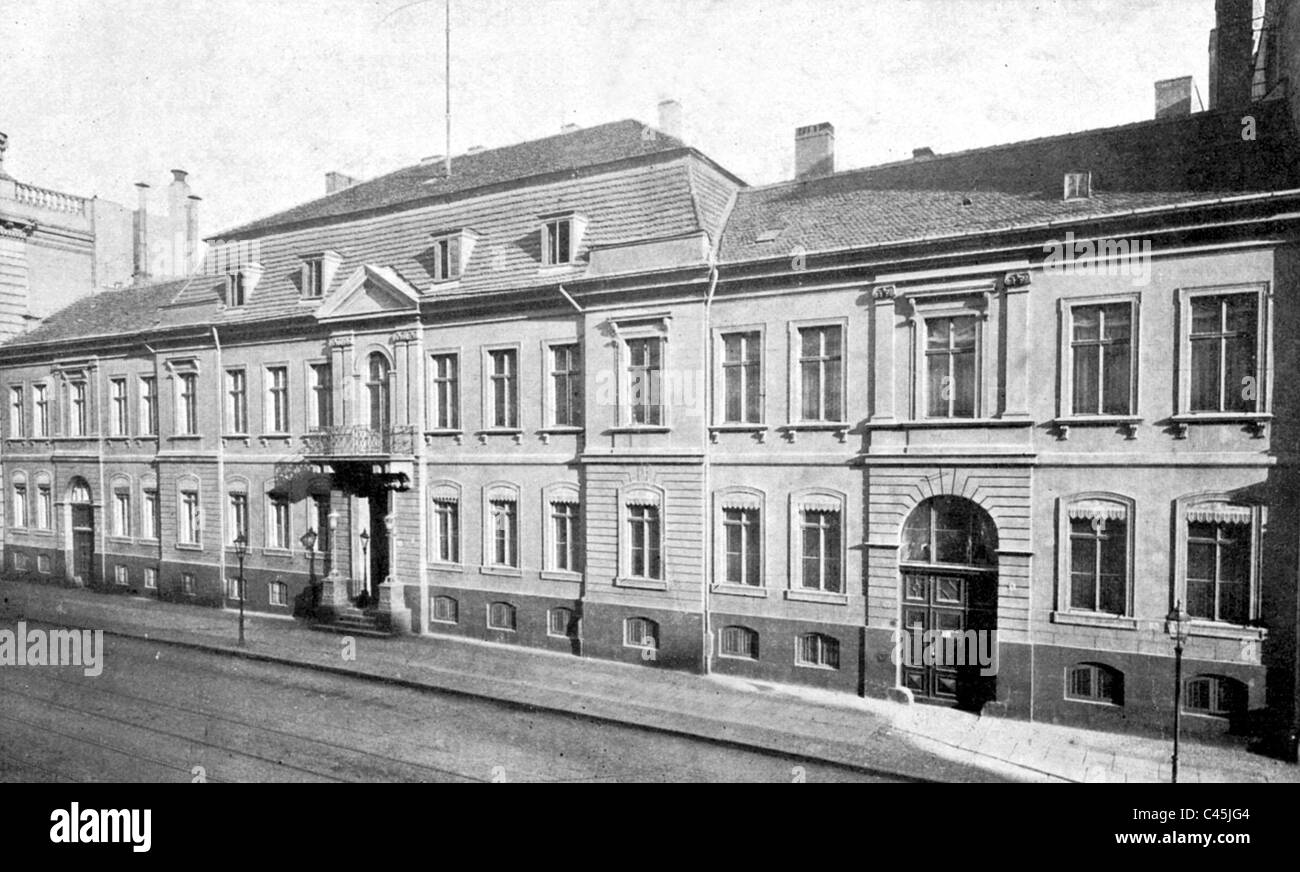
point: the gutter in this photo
(707, 538)
(221, 473)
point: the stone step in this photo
(348, 630)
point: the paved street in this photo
(158, 711)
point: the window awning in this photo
(740, 500)
(820, 503)
(1219, 513)
(1098, 510)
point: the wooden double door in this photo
(939, 607)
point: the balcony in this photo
(360, 443)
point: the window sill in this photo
(186, 546)
(185, 437)
(120, 540)
(757, 431)
(447, 567)
(1087, 619)
(1129, 423)
(508, 571)
(739, 590)
(816, 666)
(640, 428)
(817, 596)
(237, 437)
(515, 433)
(1257, 421)
(641, 583)
(840, 429)
(1212, 630)
(949, 423)
(560, 575)
(277, 552)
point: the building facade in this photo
(594, 394)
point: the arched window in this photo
(501, 616)
(560, 623)
(445, 610)
(1215, 695)
(738, 642)
(1094, 682)
(640, 633)
(78, 490)
(1096, 554)
(815, 649)
(378, 387)
(950, 530)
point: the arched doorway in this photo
(949, 602)
(81, 517)
(378, 386)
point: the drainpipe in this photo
(221, 473)
(101, 530)
(708, 471)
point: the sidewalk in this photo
(923, 742)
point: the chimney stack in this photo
(814, 151)
(191, 233)
(336, 181)
(141, 272)
(923, 153)
(4, 146)
(1231, 54)
(670, 118)
(1174, 97)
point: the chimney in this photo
(1231, 54)
(4, 146)
(141, 272)
(923, 153)
(814, 151)
(474, 149)
(336, 181)
(191, 232)
(670, 118)
(569, 128)
(1174, 97)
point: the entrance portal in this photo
(949, 600)
(83, 531)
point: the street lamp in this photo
(308, 541)
(365, 562)
(1178, 625)
(241, 551)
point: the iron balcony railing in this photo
(360, 442)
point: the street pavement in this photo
(874, 738)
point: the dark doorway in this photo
(83, 543)
(379, 546)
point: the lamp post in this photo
(388, 550)
(308, 541)
(365, 562)
(241, 551)
(1178, 626)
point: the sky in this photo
(258, 99)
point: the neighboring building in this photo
(57, 247)
(594, 394)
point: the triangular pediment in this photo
(370, 290)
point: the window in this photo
(1093, 682)
(821, 388)
(122, 512)
(740, 642)
(17, 413)
(505, 533)
(77, 408)
(237, 401)
(148, 405)
(1099, 549)
(446, 391)
(1223, 348)
(742, 378)
(814, 649)
(504, 387)
(446, 259)
(150, 578)
(950, 530)
(1218, 571)
(644, 559)
(742, 537)
(1214, 695)
(950, 366)
(236, 289)
(277, 593)
(557, 241)
(121, 425)
(188, 587)
(560, 623)
(238, 517)
(645, 381)
(121, 576)
(821, 550)
(44, 507)
(277, 399)
(446, 530)
(501, 616)
(279, 533)
(20, 505)
(566, 385)
(190, 518)
(43, 564)
(187, 412)
(149, 515)
(321, 414)
(41, 411)
(445, 610)
(564, 529)
(313, 278)
(1101, 356)
(640, 633)
(232, 589)
(318, 519)
(379, 391)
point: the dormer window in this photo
(317, 273)
(240, 283)
(560, 235)
(1078, 186)
(450, 254)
